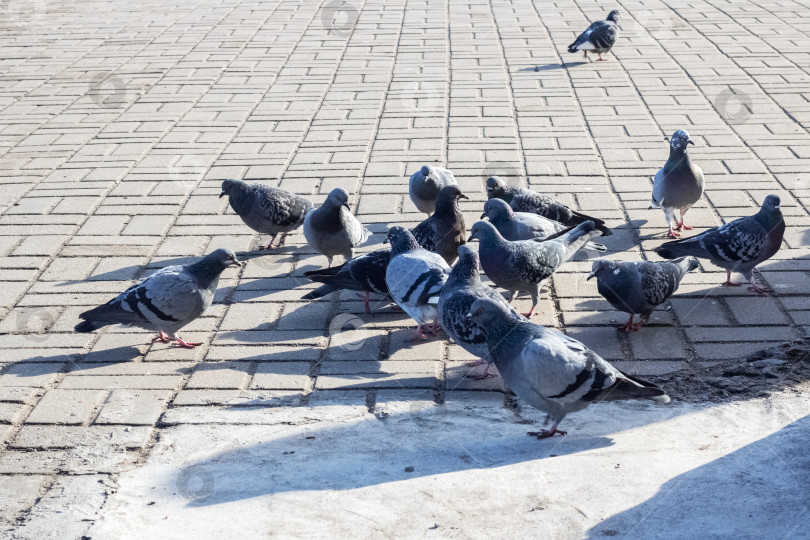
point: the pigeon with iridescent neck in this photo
(425, 184)
(678, 185)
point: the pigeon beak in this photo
(689, 141)
(778, 207)
(592, 274)
(483, 215)
(462, 196)
(489, 190)
(468, 316)
(470, 239)
(386, 241)
(235, 263)
(346, 206)
(221, 194)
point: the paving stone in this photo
(59, 406)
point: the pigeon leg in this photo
(600, 58)
(672, 233)
(270, 245)
(418, 335)
(585, 54)
(759, 288)
(476, 363)
(329, 258)
(484, 374)
(368, 308)
(163, 338)
(683, 226)
(281, 240)
(186, 345)
(530, 313)
(629, 326)
(728, 282)
(546, 433)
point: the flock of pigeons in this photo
(526, 237)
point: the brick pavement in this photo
(119, 121)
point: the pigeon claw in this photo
(759, 289)
(546, 433)
(184, 344)
(672, 233)
(163, 338)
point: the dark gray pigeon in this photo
(526, 200)
(331, 229)
(527, 264)
(678, 184)
(464, 287)
(445, 230)
(265, 209)
(738, 246)
(365, 273)
(415, 278)
(641, 286)
(166, 301)
(425, 184)
(599, 37)
(516, 226)
(551, 371)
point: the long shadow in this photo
(550, 67)
(361, 454)
(709, 502)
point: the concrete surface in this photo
(118, 122)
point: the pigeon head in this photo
(208, 269)
(401, 240)
(496, 187)
(498, 211)
(338, 197)
(448, 198)
(771, 208)
(614, 16)
(223, 256)
(484, 231)
(599, 266)
(467, 264)
(680, 139)
(485, 311)
(229, 186)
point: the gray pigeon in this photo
(527, 264)
(425, 184)
(599, 37)
(738, 246)
(166, 301)
(331, 229)
(641, 286)
(516, 226)
(526, 200)
(266, 209)
(415, 278)
(678, 184)
(365, 273)
(445, 230)
(464, 287)
(551, 371)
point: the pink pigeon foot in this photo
(184, 344)
(672, 233)
(530, 313)
(484, 374)
(365, 298)
(759, 288)
(281, 240)
(630, 326)
(546, 433)
(163, 338)
(728, 282)
(600, 58)
(684, 226)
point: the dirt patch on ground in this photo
(785, 367)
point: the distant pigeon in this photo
(415, 278)
(331, 229)
(445, 230)
(365, 273)
(551, 371)
(738, 246)
(166, 301)
(678, 184)
(526, 265)
(425, 184)
(516, 226)
(641, 286)
(464, 287)
(526, 200)
(266, 209)
(599, 37)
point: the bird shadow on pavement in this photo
(776, 505)
(550, 67)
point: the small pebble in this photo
(408, 469)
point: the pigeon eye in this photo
(480, 311)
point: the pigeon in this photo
(551, 371)
(526, 200)
(599, 37)
(737, 246)
(641, 286)
(678, 184)
(365, 273)
(464, 287)
(425, 185)
(266, 209)
(516, 226)
(331, 229)
(445, 230)
(415, 278)
(527, 264)
(165, 301)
